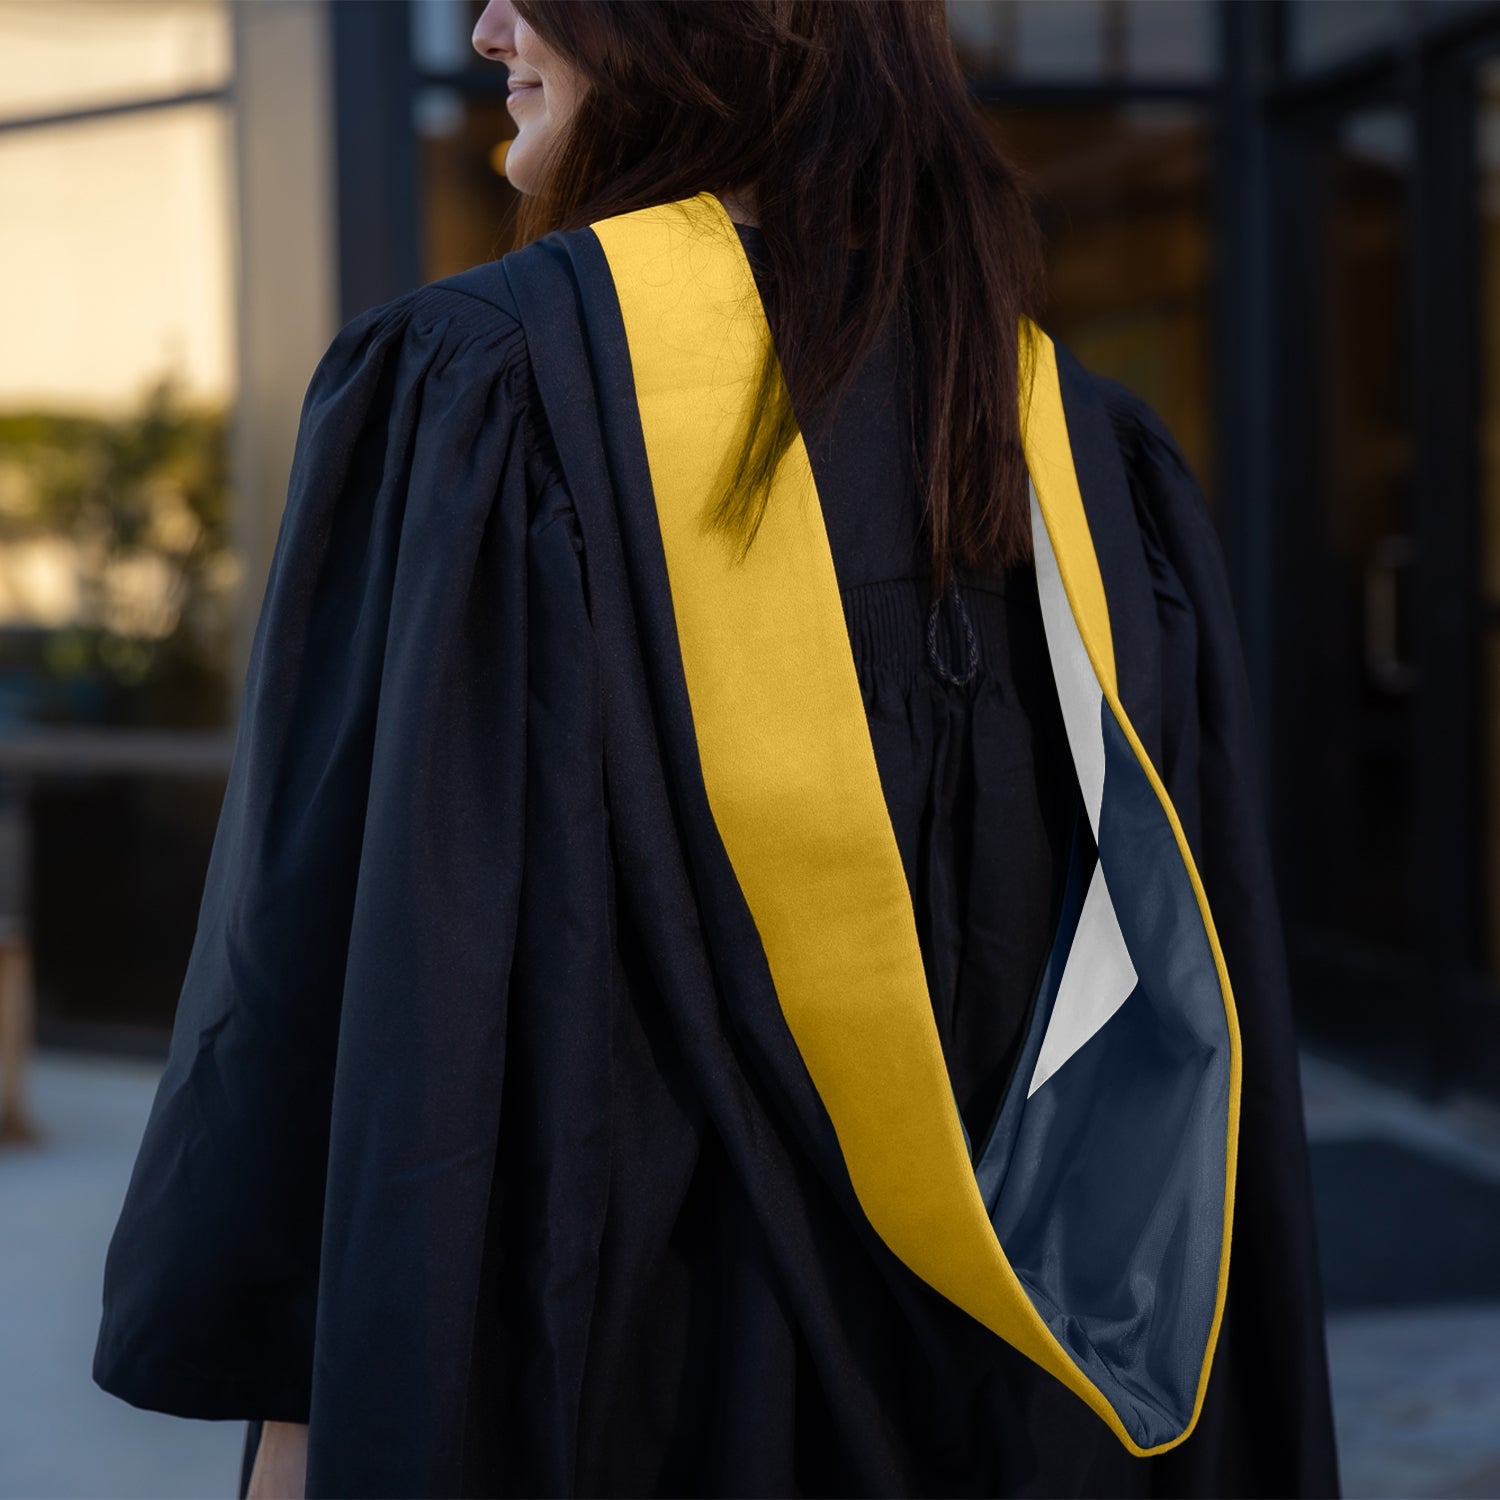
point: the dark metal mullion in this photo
(1103, 94)
(1285, 370)
(1244, 364)
(1443, 369)
(1292, 393)
(1382, 65)
(1342, 85)
(379, 172)
(220, 95)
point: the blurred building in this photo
(1278, 220)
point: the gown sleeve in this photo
(334, 1069)
(1267, 1423)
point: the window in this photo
(118, 580)
(1086, 41)
(121, 588)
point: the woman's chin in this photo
(519, 168)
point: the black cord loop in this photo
(933, 657)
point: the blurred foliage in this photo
(118, 581)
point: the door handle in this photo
(1383, 659)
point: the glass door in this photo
(1387, 637)
(1479, 984)
(1350, 686)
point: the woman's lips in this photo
(523, 88)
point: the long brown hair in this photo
(838, 119)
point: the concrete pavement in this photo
(1416, 1388)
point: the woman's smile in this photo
(536, 72)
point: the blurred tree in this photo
(118, 581)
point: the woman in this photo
(658, 1023)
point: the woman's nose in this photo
(495, 30)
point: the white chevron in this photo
(1098, 976)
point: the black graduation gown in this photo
(482, 1144)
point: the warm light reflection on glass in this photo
(115, 259)
(118, 581)
(469, 204)
(1123, 195)
(58, 55)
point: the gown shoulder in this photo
(1170, 506)
(424, 590)
(461, 335)
(1202, 687)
